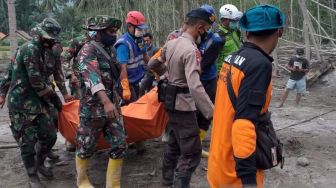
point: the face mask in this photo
(92, 34)
(203, 35)
(56, 50)
(50, 43)
(138, 33)
(107, 39)
(198, 40)
(233, 25)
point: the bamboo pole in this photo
(319, 21)
(306, 38)
(12, 26)
(325, 32)
(310, 27)
(291, 19)
(322, 36)
(322, 5)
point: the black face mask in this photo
(203, 35)
(107, 39)
(50, 42)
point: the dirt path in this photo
(314, 140)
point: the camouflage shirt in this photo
(96, 73)
(5, 81)
(54, 68)
(29, 85)
(70, 63)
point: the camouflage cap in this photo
(50, 28)
(102, 22)
(88, 21)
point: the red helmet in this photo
(136, 18)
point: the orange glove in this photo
(157, 54)
(126, 90)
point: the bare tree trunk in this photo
(309, 24)
(12, 26)
(276, 62)
(319, 21)
(332, 18)
(306, 38)
(174, 14)
(291, 20)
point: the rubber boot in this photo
(34, 182)
(113, 173)
(182, 179)
(40, 158)
(82, 178)
(203, 133)
(44, 171)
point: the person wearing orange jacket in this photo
(232, 160)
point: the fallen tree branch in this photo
(8, 146)
(306, 120)
(283, 67)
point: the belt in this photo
(183, 90)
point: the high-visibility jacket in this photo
(233, 136)
(135, 64)
(232, 44)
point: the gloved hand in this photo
(55, 100)
(126, 90)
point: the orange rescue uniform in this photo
(233, 136)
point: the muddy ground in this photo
(310, 135)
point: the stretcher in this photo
(144, 119)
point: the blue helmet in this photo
(262, 17)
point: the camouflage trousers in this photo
(35, 135)
(89, 131)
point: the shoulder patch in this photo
(198, 56)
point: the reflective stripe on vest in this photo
(135, 63)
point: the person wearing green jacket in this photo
(229, 17)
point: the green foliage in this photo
(4, 48)
(3, 17)
(162, 16)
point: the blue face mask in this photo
(107, 39)
(233, 25)
(92, 34)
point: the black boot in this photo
(182, 179)
(40, 157)
(168, 169)
(167, 176)
(46, 172)
(34, 182)
(53, 156)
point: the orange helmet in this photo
(136, 18)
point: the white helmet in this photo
(231, 12)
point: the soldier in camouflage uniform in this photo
(29, 101)
(5, 83)
(70, 63)
(100, 104)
